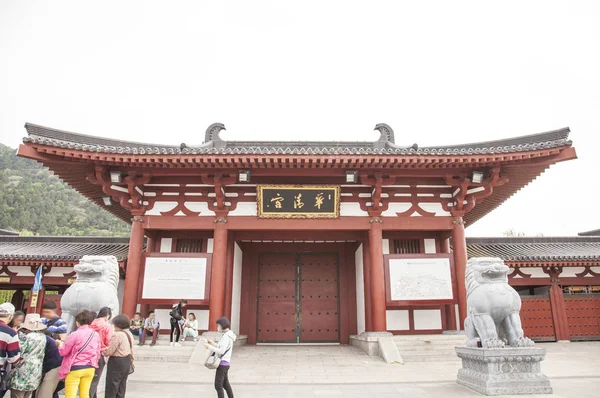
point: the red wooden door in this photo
(319, 298)
(536, 317)
(583, 315)
(277, 298)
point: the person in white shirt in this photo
(190, 327)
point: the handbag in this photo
(131, 364)
(214, 360)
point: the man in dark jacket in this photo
(52, 360)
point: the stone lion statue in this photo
(492, 306)
(94, 288)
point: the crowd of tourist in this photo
(39, 357)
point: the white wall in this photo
(385, 246)
(166, 244)
(429, 246)
(236, 299)
(397, 320)
(427, 319)
(360, 290)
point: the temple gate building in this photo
(304, 241)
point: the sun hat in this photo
(6, 310)
(33, 322)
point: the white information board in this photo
(174, 278)
(420, 279)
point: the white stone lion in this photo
(95, 287)
(492, 306)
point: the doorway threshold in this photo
(298, 344)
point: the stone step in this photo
(432, 358)
(432, 337)
(431, 348)
(430, 343)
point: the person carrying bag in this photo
(220, 357)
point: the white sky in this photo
(439, 72)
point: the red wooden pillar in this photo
(134, 259)
(459, 245)
(367, 285)
(377, 276)
(219, 273)
(559, 313)
(450, 310)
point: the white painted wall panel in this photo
(244, 209)
(594, 269)
(571, 272)
(397, 320)
(457, 315)
(236, 299)
(394, 208)
(201, 207)
(430, 246)
(428, 319)
(59, 271)
(21, 270)
(534, 272)
(360, 290)
(351, 209)
(386, 246)
(166, 244)
(163, 317)
(161, 207)
(209, 245)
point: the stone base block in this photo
(503, 371)
(378, 344)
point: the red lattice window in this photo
(189, 246)
(407, 246)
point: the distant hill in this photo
(35, 202)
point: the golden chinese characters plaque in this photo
(298, 201)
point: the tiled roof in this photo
(577, 248)
(4, 232)
(64, 248)
(214, 145)
(594, 232)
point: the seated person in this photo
(151, 328)
(190, 327)
(136, 326)
(56, 327)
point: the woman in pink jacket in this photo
(105, 330)
(80, 353)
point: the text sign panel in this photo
(420, 279)
(175, 278)
(305, 201)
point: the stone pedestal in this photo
(503, 371)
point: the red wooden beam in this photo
(250, 223)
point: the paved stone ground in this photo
(574, 370)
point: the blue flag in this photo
(37, 284)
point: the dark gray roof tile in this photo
(68, 248)
(64, 139)
(576, 248)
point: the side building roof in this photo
(537, 249)
(60, 248)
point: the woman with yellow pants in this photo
(80, 357)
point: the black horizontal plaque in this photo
(303, 201)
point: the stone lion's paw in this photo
(493, 343)
(525, 342)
